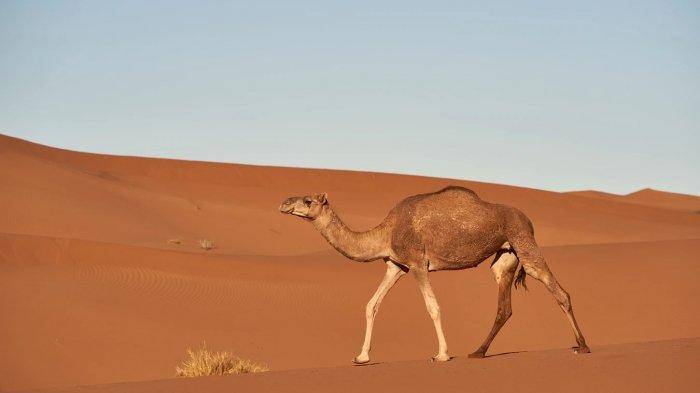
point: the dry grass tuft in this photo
(203, 361)
(206, 244)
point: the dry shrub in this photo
(206, 244)
(203, 361)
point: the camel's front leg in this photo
(393, 273)
(434, 311)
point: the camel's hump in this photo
(458, 189)
(449, 192)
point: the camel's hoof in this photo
(477, 355)
(360, 362)
(440, 358)
(581, 350)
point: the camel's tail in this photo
(520, 277)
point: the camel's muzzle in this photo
(286, 208)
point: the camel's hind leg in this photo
(503, 267)
(535, 266)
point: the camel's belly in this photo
(436, 264)
(462, 252)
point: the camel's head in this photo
(308, 207)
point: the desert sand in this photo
(103, 281)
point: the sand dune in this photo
(93, 292)
(141, 201)
(650, 197)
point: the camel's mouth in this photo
(295, 213)
(286, 207)
(299, 214)
(289, 209)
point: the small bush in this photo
(203, 361)
(206, 244)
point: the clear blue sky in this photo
(598, 94)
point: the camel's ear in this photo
(322, 198)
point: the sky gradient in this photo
(598, 95)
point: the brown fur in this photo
(450, 229)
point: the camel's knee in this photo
(503, 315)
(563, 298)
(434, 311)
(371, 309)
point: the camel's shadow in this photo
(503, 354)
(452, 358)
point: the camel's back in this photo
(452, 226)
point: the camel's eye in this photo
(307, 201)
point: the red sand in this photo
(666, 366)
(92, 292)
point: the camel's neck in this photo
(358, 246)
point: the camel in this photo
(451, 229)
